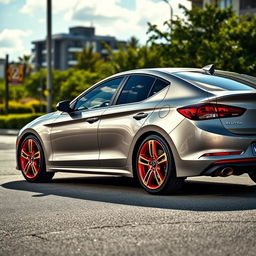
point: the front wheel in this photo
(32, 162)
(252, 175)
(155, 167)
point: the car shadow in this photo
(195, 195)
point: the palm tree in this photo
(88, 59)
(25, 61)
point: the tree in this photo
(133, 56)
(133, 42)
(88, 59)
(209, 35)
(25, 60)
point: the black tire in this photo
(252, 175)
(32, 161)
(149, 166)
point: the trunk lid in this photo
(246, 123)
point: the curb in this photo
(12, 132)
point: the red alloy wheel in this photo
(152, 164)
(30, 158)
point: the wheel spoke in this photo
(144, 161)
(37, 155)
(148, 177)
(30, 145)
(24, 154)
(152, 148)
(158, 177)
(162, 159)
(26, 169)
(33, 168)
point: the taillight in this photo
(210, 111)
(223, 153)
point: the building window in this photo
(225, 3)
(247, 4)
(72, 56)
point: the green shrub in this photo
(35, 105)
(16, 121)
(16, 107)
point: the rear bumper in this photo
(238, 166)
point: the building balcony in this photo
(72, 62)
(75, 49)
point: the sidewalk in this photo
(12, 132)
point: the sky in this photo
(23, 21)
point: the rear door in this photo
(120, 122)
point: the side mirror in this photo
(64, 106)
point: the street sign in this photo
(15, 73)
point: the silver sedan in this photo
(157, 125)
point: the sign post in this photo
(6, 94)
(49, 55)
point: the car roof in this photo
(159, 70)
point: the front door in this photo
(74, 135)
(74, 139)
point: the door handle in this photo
(140, 116)
(92, 120)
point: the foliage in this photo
(77, 82)
(88, 59)
(16, 121)
(28, 107)
(16, 107)
(66, 84)
(37, 106)
(134, 56)
(16, 92)
(25, 60)
(209, 35)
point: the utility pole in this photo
(171, 11)
(49, 56)
(6, 93)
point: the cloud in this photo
(42, 21)
(32, 6)
(110, 17)
(90, 14)
(5, 1)
(11, 41)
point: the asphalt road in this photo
(99, 215)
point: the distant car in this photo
(158, 125)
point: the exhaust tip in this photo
(227, 172)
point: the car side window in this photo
(158, 86)
(136, 89)
(99, 96)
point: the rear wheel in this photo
(253, 176)
(155, 167)
(32, 162)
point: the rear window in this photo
(158, 86)
(136, 89)
(217, 82)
